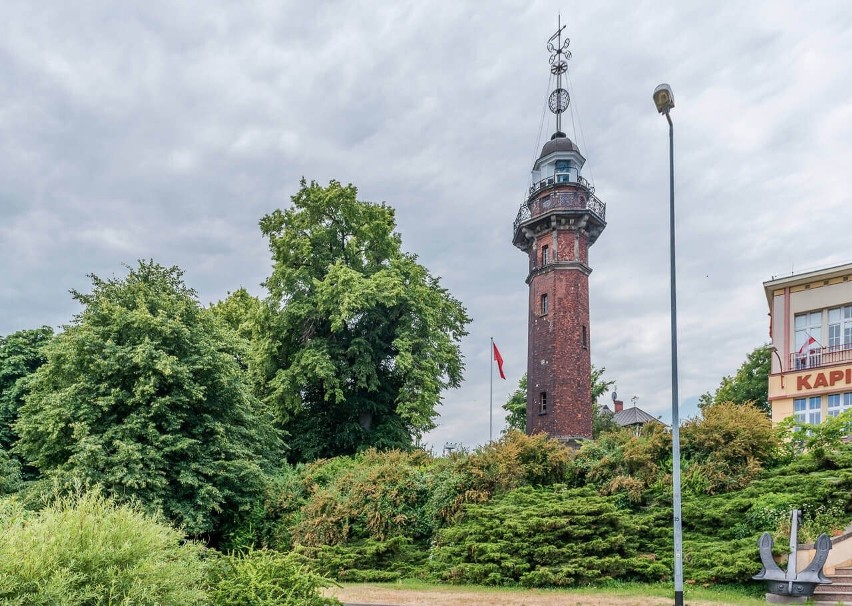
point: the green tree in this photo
(358, 340)
(599, 384)
(602, 422)
(143, 395)
(516, 407)
(21, 353)
(239, 310)
(749, 384)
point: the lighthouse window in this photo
(562, 171)
(585, 338)
(545, 255)
(542, 403)
(543, 304)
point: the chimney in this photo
(619, 405)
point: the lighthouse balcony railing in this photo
(573, 200)
(561, 179)
(822, 356)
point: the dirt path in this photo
(389, 596)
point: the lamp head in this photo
(663, 98)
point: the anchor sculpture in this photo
(793, 584)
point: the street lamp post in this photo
(664, 100)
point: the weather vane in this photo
(559, 55)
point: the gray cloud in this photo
(166, 131)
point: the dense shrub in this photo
(498, 516)
(266, 578)
(537, 537)
(88, 551)
(727, 446)
(624, 462)
(722, 450)
(373, 516)
(721, 531)
(514, 461)
(381, 497)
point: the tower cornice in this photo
(559, 266)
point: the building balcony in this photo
(823, 356)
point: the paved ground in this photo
(372, 595)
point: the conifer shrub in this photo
(542, 537)
(368, 560)
(721, 531)
(86, 550)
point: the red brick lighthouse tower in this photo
(557, 223)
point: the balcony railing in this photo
(823, 356)
(561, 179)
(571, 200)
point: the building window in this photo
(808, 346)
(799, 406)
(542, 403)
(847, 326)
(834, 337)
(814, 410)
(840, 328)
(545, 257)
(834, 404)
(544, 305)
(585, 338)
(838, 404)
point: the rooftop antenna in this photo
(559, 55)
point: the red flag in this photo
(499, 359)
(809, 345)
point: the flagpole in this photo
(491, 393)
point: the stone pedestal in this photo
(772, 598)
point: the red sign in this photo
(824, 379)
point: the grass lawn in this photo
(411, 593)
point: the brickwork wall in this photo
(558, 361)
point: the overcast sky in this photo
(166, 130)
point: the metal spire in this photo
(559, 55)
